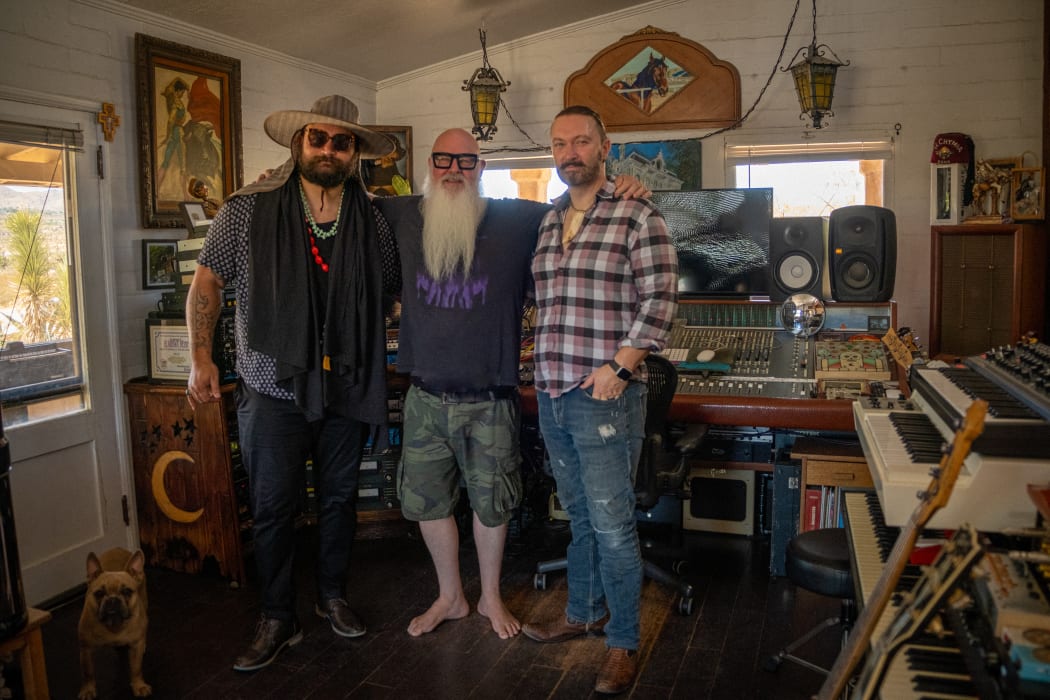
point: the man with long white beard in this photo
(465, 274)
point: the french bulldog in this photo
(114, 615)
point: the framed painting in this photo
(158, 264)
(189, 124)
(1028, 195)
(391, 175)
(660, 165)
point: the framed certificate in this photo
(168, 343)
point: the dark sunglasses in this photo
(340, 142)
(443, 161)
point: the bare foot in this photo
(503, 622)
(439, 611)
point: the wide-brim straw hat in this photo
(333, 109)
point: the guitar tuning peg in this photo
(935, 472)
(921, 495)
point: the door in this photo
(58, 365)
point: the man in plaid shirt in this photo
(606, 277)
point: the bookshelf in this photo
(830, 464)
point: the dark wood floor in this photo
(198, 624)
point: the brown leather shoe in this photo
(342, 619)
(562, 630)
(272, 636)
(618, 671)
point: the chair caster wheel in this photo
(685, 606)
(539, 582)
(772, 663)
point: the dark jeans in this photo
(276, 440)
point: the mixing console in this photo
(740, 349)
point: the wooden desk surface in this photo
(800, 414)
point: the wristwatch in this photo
(621, 371)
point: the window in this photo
(812, 179)
(524, 178)
(41, 373)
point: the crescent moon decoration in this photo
(160, 494)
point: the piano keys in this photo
(933, 669)
(871, 542)
(929, 667)
(990, 492)
(1011, 428)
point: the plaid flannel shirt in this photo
(615, 285)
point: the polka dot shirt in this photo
(225, 252)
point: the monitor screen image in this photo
(722, 239)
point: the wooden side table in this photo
(28, 646)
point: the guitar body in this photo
(933, 499)
(930, 594)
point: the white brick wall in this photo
(930, 65)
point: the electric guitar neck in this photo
(932, 499)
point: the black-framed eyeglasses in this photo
(317, 138)
(465, 161)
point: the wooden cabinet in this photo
(988, 286)
(827, 463)
(187, 475)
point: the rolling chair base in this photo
(683, 605)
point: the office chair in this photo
(662, 469)
(818, 561)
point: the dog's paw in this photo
(141, 690)
(87, 692)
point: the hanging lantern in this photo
(814, 74)
(485, 87)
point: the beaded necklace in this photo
(314, 230)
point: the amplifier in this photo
(721, 500)
(377, 482)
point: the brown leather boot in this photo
(618, 671)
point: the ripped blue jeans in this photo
(594, 448)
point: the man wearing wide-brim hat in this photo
(309, 262)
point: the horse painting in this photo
(652, 78)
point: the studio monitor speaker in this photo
(862, 253)
(796, 256)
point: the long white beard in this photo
(450, 225)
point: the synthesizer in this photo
(1014, 450)
(1010, 595)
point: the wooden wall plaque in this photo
(654, 79)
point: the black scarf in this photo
(282, 315)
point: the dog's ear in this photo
(136, 565)
(94, 567)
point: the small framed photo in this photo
(193, 215)
(1027, 195)
(391, 175)
(158, 264)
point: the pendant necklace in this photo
(315, 232)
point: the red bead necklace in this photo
(314, 231)
(315, 251)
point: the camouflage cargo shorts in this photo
(443, 444)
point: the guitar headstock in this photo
(940, 488)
